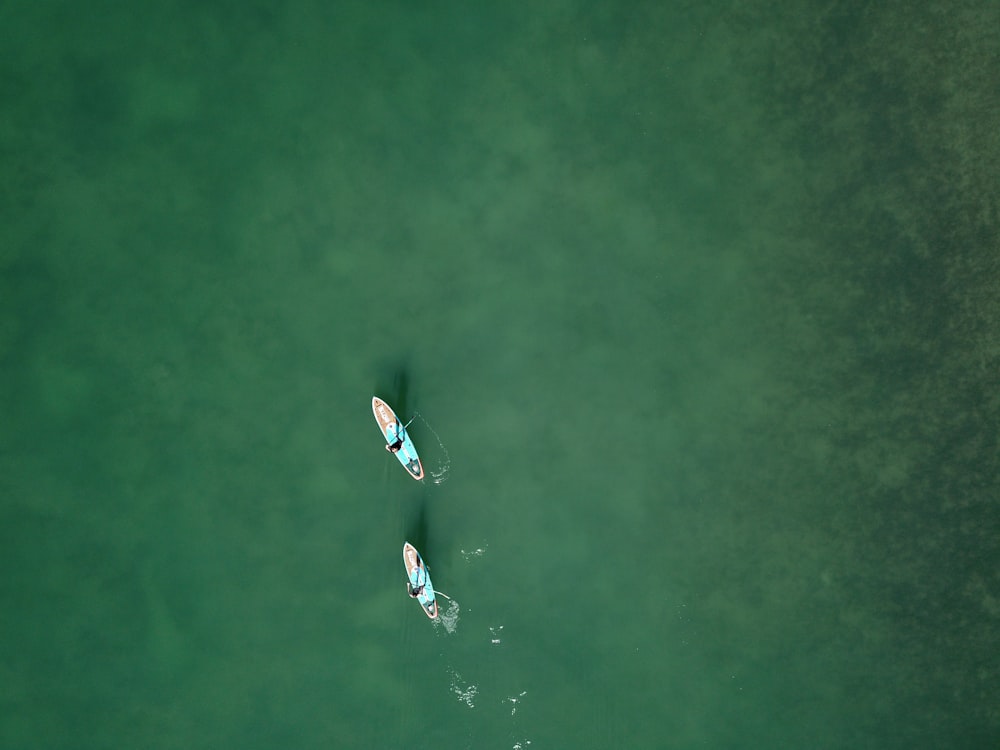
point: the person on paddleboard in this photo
(395, 446)
(414, 591)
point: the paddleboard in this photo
(392, 429)
(416, 571)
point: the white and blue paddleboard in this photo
(393, 429)
(416, 571)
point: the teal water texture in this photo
(701, 301)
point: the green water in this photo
(702, 303)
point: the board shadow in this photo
(392, 385)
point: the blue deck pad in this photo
(396, 430)
(426, 597)
(407, 454)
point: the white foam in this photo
(465, 692)
(477, 552)
(448, 617)
(514, 700)
(495, 635)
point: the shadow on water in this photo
(392, 385)
(416, 528)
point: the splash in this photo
(477, 552)
(448, 618)
(513, 700)
(495, 634)
(466, 693)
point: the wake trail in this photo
(440, 475)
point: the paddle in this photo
(401, 428)
(400, 433)
(436, 592)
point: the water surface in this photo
(697, 307)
